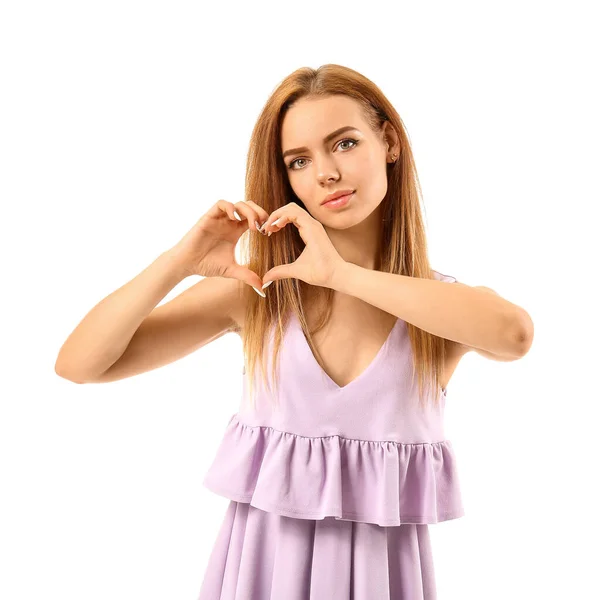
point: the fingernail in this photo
(266, 284)
(257, 226)
(258, 291)
(238, 216)
(277, 221)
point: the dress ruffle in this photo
(383, 482)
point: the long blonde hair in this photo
(404, 244)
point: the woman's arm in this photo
(105, 332)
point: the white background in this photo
(123, 122)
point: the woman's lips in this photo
(339, 202)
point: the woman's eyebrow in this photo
(326, 139)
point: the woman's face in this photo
(354, 159)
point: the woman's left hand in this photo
(319, 259)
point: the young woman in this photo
(336, 462)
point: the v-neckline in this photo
(361, 375)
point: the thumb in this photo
(246, 275)
(279, 272)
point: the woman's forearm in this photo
(103, 335)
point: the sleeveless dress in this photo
(332, 490)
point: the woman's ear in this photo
(391, 141)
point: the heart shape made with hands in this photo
(319, 260)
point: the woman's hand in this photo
(208, 248)
(318, 261)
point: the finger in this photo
(286, 271)
(261, 212)
(273, 218)
(292, 211)
(226, 207)
(282, 216)
(246, 211)
(247, 276)
(222, 206)
(278, 223)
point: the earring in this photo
(394, 157)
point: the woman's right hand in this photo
(208, 247)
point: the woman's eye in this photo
(294, 161)
(354, 143)
(342, 141)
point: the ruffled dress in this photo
(332, 490)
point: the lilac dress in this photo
(332, 490)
